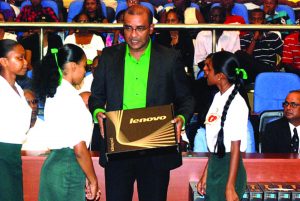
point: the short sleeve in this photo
(237, 119)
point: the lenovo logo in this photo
(148, 119)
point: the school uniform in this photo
(15, 118)
(68, 122)
(235, 128)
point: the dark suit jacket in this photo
(167, 83)
(277, 137)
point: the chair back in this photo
(149, 6)
(271, 89)
(5, 6)
(123, 6)
(265, 118)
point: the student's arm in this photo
(84, 159)
(230, 192)
(201, 185)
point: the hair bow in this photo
(54, 51)
(244, 73)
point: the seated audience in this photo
(282, 135)
(226, 40)
(274, 17)
(94, 11)
(291, 53)
(116, 37)
(9, 14)
(231, 18)
(35, 12)
(35, 138)
(3, 33)
(191, 14)
(179, 40)
(31, 44)
(91, 44)
(259, 48)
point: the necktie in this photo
(295, 142)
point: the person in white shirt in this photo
(3, 33)
(14, 117)
(35, 138)
(69, 127)
(225, 40)
(91, 43)
(224, 177)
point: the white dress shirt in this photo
(292, 132)
(15, 114)
(229, 41)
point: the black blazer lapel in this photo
(286, 135)
(119, 64)
(154, 70)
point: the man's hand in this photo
(100, 117)
(256, 35)
(179, 123)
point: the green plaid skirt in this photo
(217, 176)
(11, 180)
(62, 179)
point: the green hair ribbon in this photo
(54, 51)
(89, 62)
(241, 70)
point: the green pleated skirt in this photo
(217, 177)
(62, 179)
(11, 180)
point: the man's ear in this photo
(151, 28)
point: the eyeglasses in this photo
(292, 104)
(34, 101)
(138, 29)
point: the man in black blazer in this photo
(278, 134)
(165, 82)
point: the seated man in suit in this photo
(281, 136)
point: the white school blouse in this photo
(235, 126)
(67, 120)
(15, 114)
